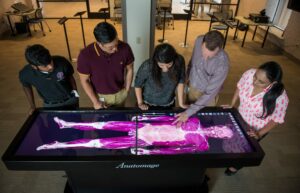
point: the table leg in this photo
(25, 20)
(28, 29)
(254, 33)
(245, 36)
(225, 37)
(42, 28)
(10, 25)
(266, 34)
(68, 188)
(234, 37)
(115, 181)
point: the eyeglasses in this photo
(259, 81)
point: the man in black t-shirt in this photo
(52, 77)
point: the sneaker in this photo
(229, 172)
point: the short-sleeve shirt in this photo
(251, 108)
(54, 86)
(107, 71)
(154, 94)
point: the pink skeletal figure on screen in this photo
(189, 138)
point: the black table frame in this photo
(92, 173)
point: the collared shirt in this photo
(107, 71)
(53, 86)
(206, 76)
(251, 107)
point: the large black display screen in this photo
(113, 133)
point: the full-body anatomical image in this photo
(158, 132)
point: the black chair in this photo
(217, 20)
(164, 13)
(222, 21)
(38, 20)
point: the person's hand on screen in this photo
(253, 133)
(181, 118)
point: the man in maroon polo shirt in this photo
(106, 68)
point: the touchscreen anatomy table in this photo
(131, 150)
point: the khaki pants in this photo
(194, 95)
(117, 99)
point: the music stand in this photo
(164, 25)
(62, 21)
(80, 15)
(105, 12)
(189, 13)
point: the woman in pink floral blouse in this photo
(263, 100)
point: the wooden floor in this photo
(279, 172)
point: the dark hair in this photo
(105, 32)
(213, 39)
(165, 53)
(38, 55)
(274, 74)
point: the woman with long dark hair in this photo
(158, 77)
(263, 100)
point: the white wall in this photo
(137, 29)
(251, 6)
(292, 36)
(290, 42)
(271, 8)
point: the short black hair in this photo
(213, 39)
(38, 55)
(105, 32)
